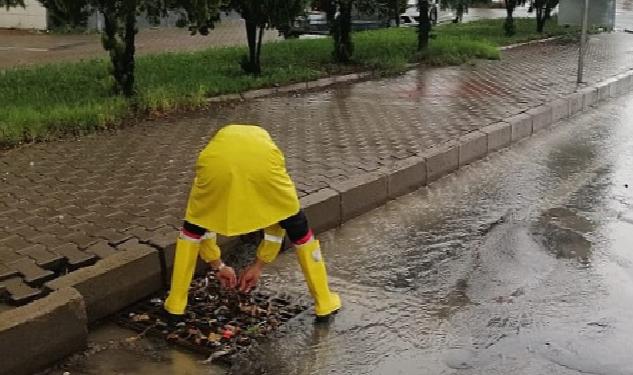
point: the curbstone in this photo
(320, 83)
(614, 85)
(41, 333)
(575, 103)
(224, 98)
(603, 91)
(521, 126)
(590, 96)
(472, 146)
(323, 209)
(499, 136)
(254, 94)
(293, 88)
(628, 81)
(116, 281)
(406, 176)
(541, 117)
(361, 194)
(622, 86)
(441, 160)
(560, 110)
(346, 78)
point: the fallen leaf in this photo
(140, 318)
(214, 337)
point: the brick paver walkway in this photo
(19, 48)
(65, 204)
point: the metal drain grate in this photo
(218, 323)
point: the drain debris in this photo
(218, 323)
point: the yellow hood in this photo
(241, 183)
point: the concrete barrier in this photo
(115, 282)
(521, 126)
(542, 117)
(499, 135)
(37, 335)
(361, 194)
(406, 176)
(575, 103)
(590, 97)
(472, 146)
(442, 160)
(323, 209)
(560, 110)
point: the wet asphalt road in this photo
(518, 264)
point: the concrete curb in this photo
(537, 41)
(39, 334)
(116, 281)
(295, 87)
(366, 192)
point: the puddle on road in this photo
(562, 232)
(116, 351)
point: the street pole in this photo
(583, 42)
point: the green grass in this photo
(74, 98)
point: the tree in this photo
(258, 16)
(11, 3)
(543, 12)
(508, 25)
(397, 7)
(459, 6)
(67, 14)
(424, 25)
(339, 15)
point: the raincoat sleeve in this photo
(209, 249)
(271, 244)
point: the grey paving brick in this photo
(31, 272)
(75, 258)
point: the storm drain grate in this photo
(218, 323)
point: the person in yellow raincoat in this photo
(241, 185)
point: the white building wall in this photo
(33, 16)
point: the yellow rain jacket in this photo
(241, 183)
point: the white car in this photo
(411, 15)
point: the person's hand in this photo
(250, 277)
(226, 276)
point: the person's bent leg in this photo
(187, 249)
(312, 264)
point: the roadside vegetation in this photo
(48, 101)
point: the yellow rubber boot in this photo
(313, 267)
(184, 266)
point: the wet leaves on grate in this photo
(218, 323)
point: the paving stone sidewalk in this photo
(67, 204)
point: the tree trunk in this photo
(540, 21)
(397, 10)
(118, 39)
(508, 25)
(127, 85)
(249, 64)
(259, 49)
(424, 25)
(459, 13)
(342, 33)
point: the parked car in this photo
(314, 22)
(411, 15)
